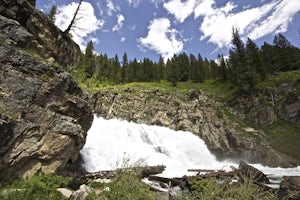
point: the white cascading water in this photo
(114, 143)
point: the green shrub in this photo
(128, 186)
(210, 189)
(38, 187)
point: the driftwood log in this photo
(244, 173)
(109, 174)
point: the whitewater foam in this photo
(113, 143)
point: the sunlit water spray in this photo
(113, 143)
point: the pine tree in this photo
(237, 57)
(52, 13)
(161, 66)
(194, 68)
(172, 71)
(286, 55)
(148, 70)
(268, 56)
(254, 59)
(182, 62)
(124, 71)
(202, 69)
(223, 65)
(116, 70)
(89, 60)
(243, 76)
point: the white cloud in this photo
(134, 3)
(157, 2)
(162, 39)
(99, 8)
(132, 28)
(119, 24)
(111, 7)
(181, 10)
(123, 39)
(252, 22)
(279, 20)
(86, 22)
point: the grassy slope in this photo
(284, 135)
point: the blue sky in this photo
(150, 28)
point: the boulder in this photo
(82, 192)
(289, 188)
(44, 118)
(247, 171)
(65, 192)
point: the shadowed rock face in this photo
(45, 38)
(43, 117)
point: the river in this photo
(115, 143)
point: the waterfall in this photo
(114, 143)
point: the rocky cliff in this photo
(280, 102)
(225, 135)
(43, 117)
(21, 24)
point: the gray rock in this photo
(82, 192)
(45, 38)
(43, 117)
(252, 173)
(65, 192)
(195, 112)
(12, 32)
(289, 188)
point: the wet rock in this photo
(252, 173)
(289, 188)
(195, 112)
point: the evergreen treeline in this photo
(180, 68)
(246, 66)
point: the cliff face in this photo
(280, 102)
(37, 32)
(195, 112)
(43, 118)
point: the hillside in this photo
(250, 127)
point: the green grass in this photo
(284, 137)
(127, 185)
(209, 189)
(289, 77)
(211, 87)
(38, 187)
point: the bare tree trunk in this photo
(74, 19)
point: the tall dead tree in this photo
(73, 19)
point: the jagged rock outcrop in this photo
(280, 102)
(41, 34)
(194, 112)
(44, 118)
(11, 32)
